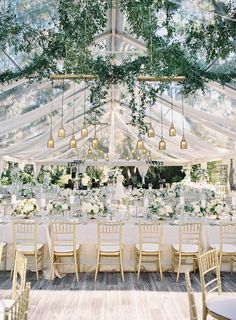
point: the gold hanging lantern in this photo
(151, 132)
(84, 132)
(73, 142)
(107, 158)
(162, 144)
(183, 143)
(50, 142)
(140, 144)
(172, 130)
(89, 151)
(95, 142)
(61, 132)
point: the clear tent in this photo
(25, 107)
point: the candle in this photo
(13, 199)
(43, 203)
(72, 199)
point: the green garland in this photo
(70, 36)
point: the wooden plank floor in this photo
(109, 298)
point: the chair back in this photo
(25, 233)
(227, 233)
(109, 234)
(209, 269)
(19, 309)
(190, 233)
(63, 234)
(19, 275)
(191, 298)
(150, 232)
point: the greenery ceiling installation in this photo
(176, 45)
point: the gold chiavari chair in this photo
(190, 242)
(227, 246)
(25, 236)
(191, 298)
(19, 309)
(3, 254)
(64, 245)
(109, 244)
(209, 266)
(18, 282)
(149, 247)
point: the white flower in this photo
(219, 208)
(162, 211)
(96, 208)
(168, 209)
(64, 206)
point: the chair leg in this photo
(160, 268)
(42, 259)
(139, 264)
(121, 265)
(5, 259)
(179, 264)
(51, 268)
(76, 266)
(97, 265)
(173, 260)
(13, 263)
(36, 265)
(78, 260)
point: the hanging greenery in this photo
(188, 48)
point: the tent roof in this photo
(209, 119)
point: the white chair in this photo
(18, 282)
(189, 247)
(25, 240)
(19, 309)
(109, 244)
(150, 245)
(64, 245)
(227, 246)
(3, 254)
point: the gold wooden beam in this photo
(92, 77)
(156, 79)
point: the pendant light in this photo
(107, 157)
(162, 143)
(50, 142)
(140, 143)
(95, 142)
(61, 131)
(84, 130)
(172, 130)
(183, 142)
(151, 132)
(73, 142)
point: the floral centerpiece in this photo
(137, 194)
(27, 192)
(195, 208)
(55, 206)
(95, 206)
(25, 207)
(160, 209)
(217, 208)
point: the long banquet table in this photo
(86, 233)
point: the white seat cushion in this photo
(148, 247)
(187, 248)
(109, 248)
(231, 248)
(28, 247)
(5, 303)
(66, 249)
(223, 306)
(2, 244)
